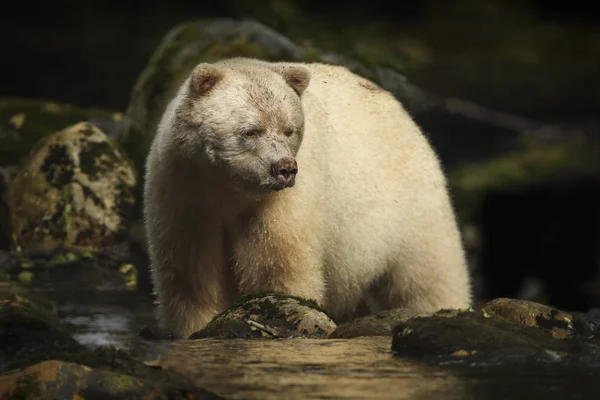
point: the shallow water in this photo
(103, 318)
(363, 368)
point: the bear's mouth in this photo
(280, 185)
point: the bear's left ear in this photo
(204, 78)
(297, 76)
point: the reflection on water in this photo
(363, 368)
(103, 318)
(98, 326)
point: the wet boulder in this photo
(269, 316)
(75, 190)
(460, 333)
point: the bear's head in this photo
(246, 120)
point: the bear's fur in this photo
(367, 220)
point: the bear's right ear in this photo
(204, 78)
(297, 76)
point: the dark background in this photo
(90, 52)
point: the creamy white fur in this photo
(368, 217)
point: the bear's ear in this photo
(297, 76)
(204, 78)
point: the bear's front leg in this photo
(191, 280)
(278, 254)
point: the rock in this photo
(58, 379)
(560, 324)
(76, 190)
(27, 329)
(486, 334)
(380, 324)
(23, 122)
(269, 316)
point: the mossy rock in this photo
(269, 316)
(380, 324)
(547, 164)
(58, 379)
(25, 121)
(479, 334)
(77, 189)
(560, 324)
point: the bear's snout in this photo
(285, 171)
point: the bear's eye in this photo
(288, 132)
(252, 133)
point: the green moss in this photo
(304, 302)
(123, 382)
(26, 277)
(61, 258)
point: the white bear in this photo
(301, 179)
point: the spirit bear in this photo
(302, 179)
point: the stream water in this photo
(363, 368)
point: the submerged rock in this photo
(269, 316)
(529, 329)
(76, 190)
(58, 379)
(380, 324)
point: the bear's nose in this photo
(285, 171)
